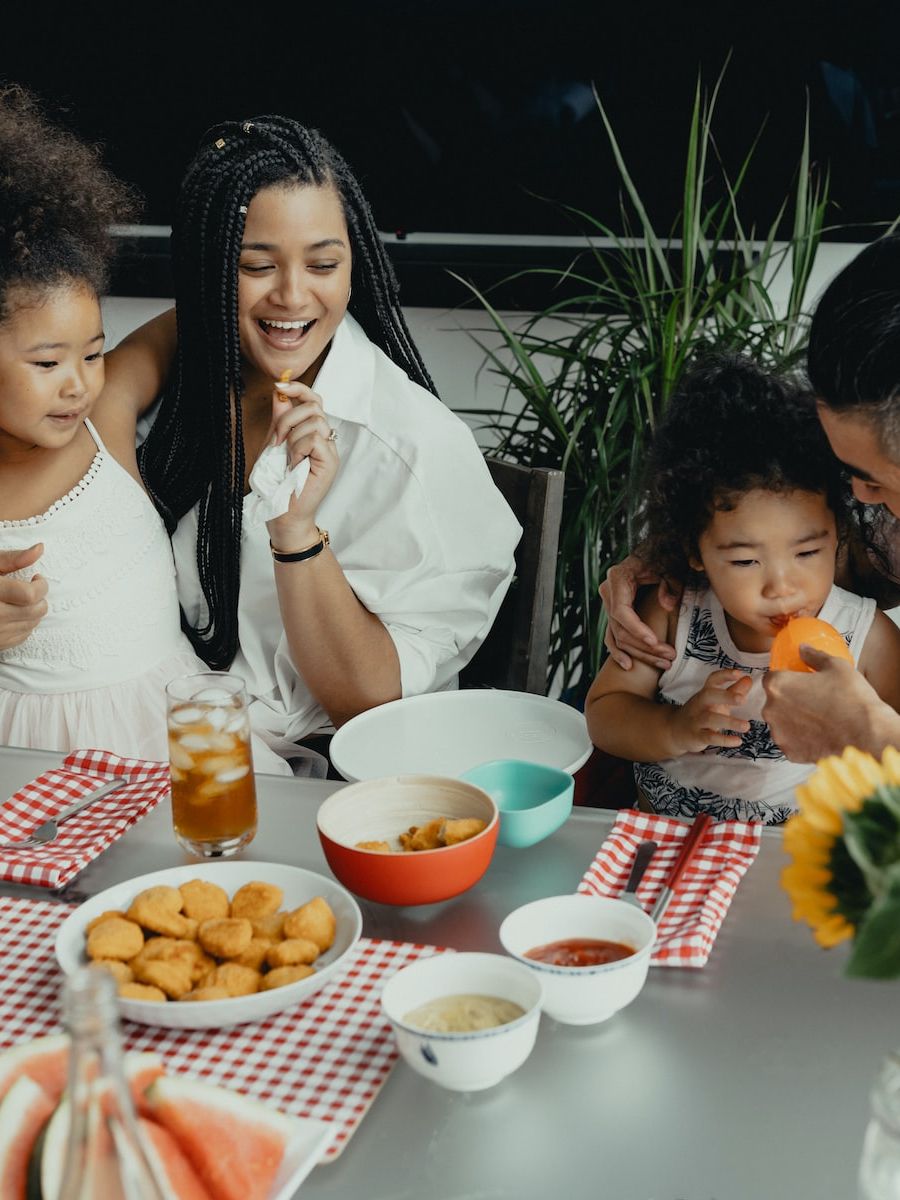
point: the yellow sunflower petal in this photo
(833, 931)
(858, 775)
(817, 806)
(805, 874)
(890, 762)
(803, 841)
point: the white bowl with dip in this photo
(582, 995)
(471, 1060)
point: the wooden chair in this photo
(515, 652)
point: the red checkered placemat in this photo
(88, 833)
(327, 1057)
(689, 927)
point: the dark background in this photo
(456, 116)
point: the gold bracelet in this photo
(302, 555)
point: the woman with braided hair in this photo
(293, 359)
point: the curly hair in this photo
(731, 428)
(57, 202)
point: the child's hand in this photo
(22, 602)
(706, 717)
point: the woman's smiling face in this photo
(293, 281)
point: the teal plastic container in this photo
(533, 799)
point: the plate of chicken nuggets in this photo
(214, 944)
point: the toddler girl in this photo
(93, 671)
(745, 508)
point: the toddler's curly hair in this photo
(731, 428)
(57, 202)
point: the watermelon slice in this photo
(46, 1061)
(235, 1144)
(24, 1111)
(170, 1163)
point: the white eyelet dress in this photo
(93, 673)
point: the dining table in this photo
(747, 1079)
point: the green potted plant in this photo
(586, 399)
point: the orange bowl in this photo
(382, 809)
(810, 631)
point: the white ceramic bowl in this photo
(298, 886)
(582, 995)
(464, 1062)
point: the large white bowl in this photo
(298, 885)
(582, 995)
(464, 1062)
(446, 733)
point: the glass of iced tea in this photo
(213, 793)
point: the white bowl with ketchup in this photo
(590, 953)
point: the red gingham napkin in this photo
(325, 1058)
(689, 927)
(89, 832)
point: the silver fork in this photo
(49, 830)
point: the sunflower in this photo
(829, 880)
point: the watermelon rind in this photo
(15, 1061)
(24, 1111)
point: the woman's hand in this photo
(22, 601)
(706, 719)
(299, 422)
(812, 716)
(627, 637)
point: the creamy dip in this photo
(463, 1014)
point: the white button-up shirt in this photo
(420, 531)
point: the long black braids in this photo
(194, 454)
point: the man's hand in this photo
(706, 719)
(627, 637)
(812, 716)
(22, 601)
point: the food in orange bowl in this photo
(810, 631)
(379, 811)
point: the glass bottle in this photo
(879, 1169)
(105, 1157)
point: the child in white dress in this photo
(745, 509)
(93, 671)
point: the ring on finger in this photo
(332, 435)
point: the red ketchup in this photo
(580, 952)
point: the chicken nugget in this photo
(119, 970)
(269, 927)
(427, 837)
(115, 937)
(454, 831)
(255, 954)
(204, 901)
(213, 992)
(314, 921)
(104, 916)
(174, 978)
(225, 937)
(292, 952)
(237, 979)
(255, 900)
(141, 991)
(164, 949)
(281, 976)
(159, 910)
(405, 840)
(376, 847)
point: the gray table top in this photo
(746, 1080)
